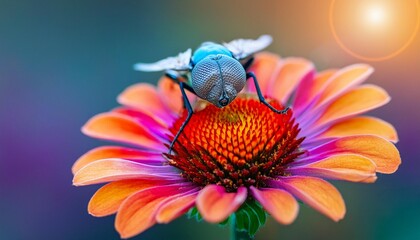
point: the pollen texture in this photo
(242, 144)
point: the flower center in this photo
(242, 144)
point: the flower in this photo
(243, 151)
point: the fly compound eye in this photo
(205, 80)
(234, 76)
(218, 79)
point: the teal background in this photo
(62, 62)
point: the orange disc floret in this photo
(242, 144)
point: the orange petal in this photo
(317, 193)
(117, 127)
(170, 92)
(278, 203)
(215, 204)
(115, 169)
(292, 71)
(356, 101)
(343, 80)
(383, 153)
(370, 179)
(113, 152)
(142, 117)
(108, 198)
(310, 87)
(144, 97)
(361, 126)
(175, 208)
(264, 66)
(137, 212)
(348, 167)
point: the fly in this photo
(214, 72)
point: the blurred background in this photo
(62, 62)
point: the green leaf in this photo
(250, 217)
(194, 213)
(224, 223)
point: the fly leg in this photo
(174, 76)
(187, 105)
(261, 97)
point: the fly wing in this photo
(242, 48)
(179, 63)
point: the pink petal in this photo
(108, 198)
(309, 87)
(361, 126)
(137, 213)
(120, 128)
(292, 72)
(317, 193)
(265, 67)
(170, 93)
(115, 169)
(145, 97)
(143, 118)
(278, 203)
(348, 167)
(356, 101)
(343, 80)
(215, 204)
(104, 152)
(383, 153)
(176, 207)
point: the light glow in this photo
(373, 30)
(375, 15)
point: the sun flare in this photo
(373, 30)
(375, 15)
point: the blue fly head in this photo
(218, 79)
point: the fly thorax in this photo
(218, 79)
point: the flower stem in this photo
(235, 234)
